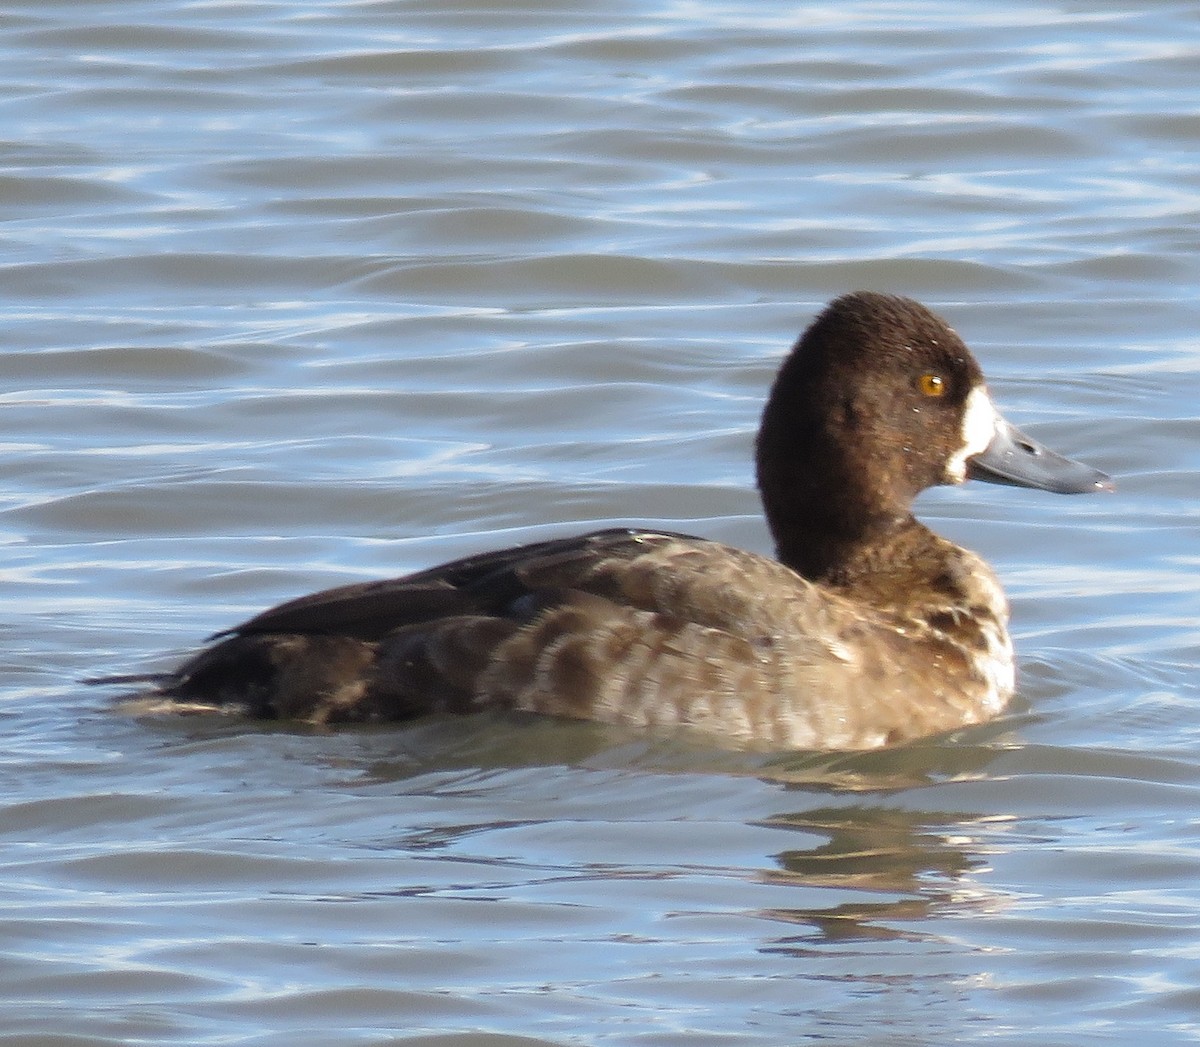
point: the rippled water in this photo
(297, 293)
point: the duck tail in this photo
(154, 679)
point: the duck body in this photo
(636, 627)
(868, 630)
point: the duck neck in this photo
(833, 548)
(823, 512)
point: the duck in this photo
(866, 629)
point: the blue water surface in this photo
(301, 293)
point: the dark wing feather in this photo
(488, 583)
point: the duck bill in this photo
(1018, 460)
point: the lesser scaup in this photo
(867, 631)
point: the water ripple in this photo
(297, 294)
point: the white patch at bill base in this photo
(979, 425)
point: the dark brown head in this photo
(879, 400)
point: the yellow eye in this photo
(932, 384)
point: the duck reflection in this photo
(923, 858)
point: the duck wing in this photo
(584, 626)
(492, 583)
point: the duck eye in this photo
(932, 384)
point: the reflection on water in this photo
(877, 849)
(301, 294)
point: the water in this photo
(299, 293)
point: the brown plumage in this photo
(868, 630)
